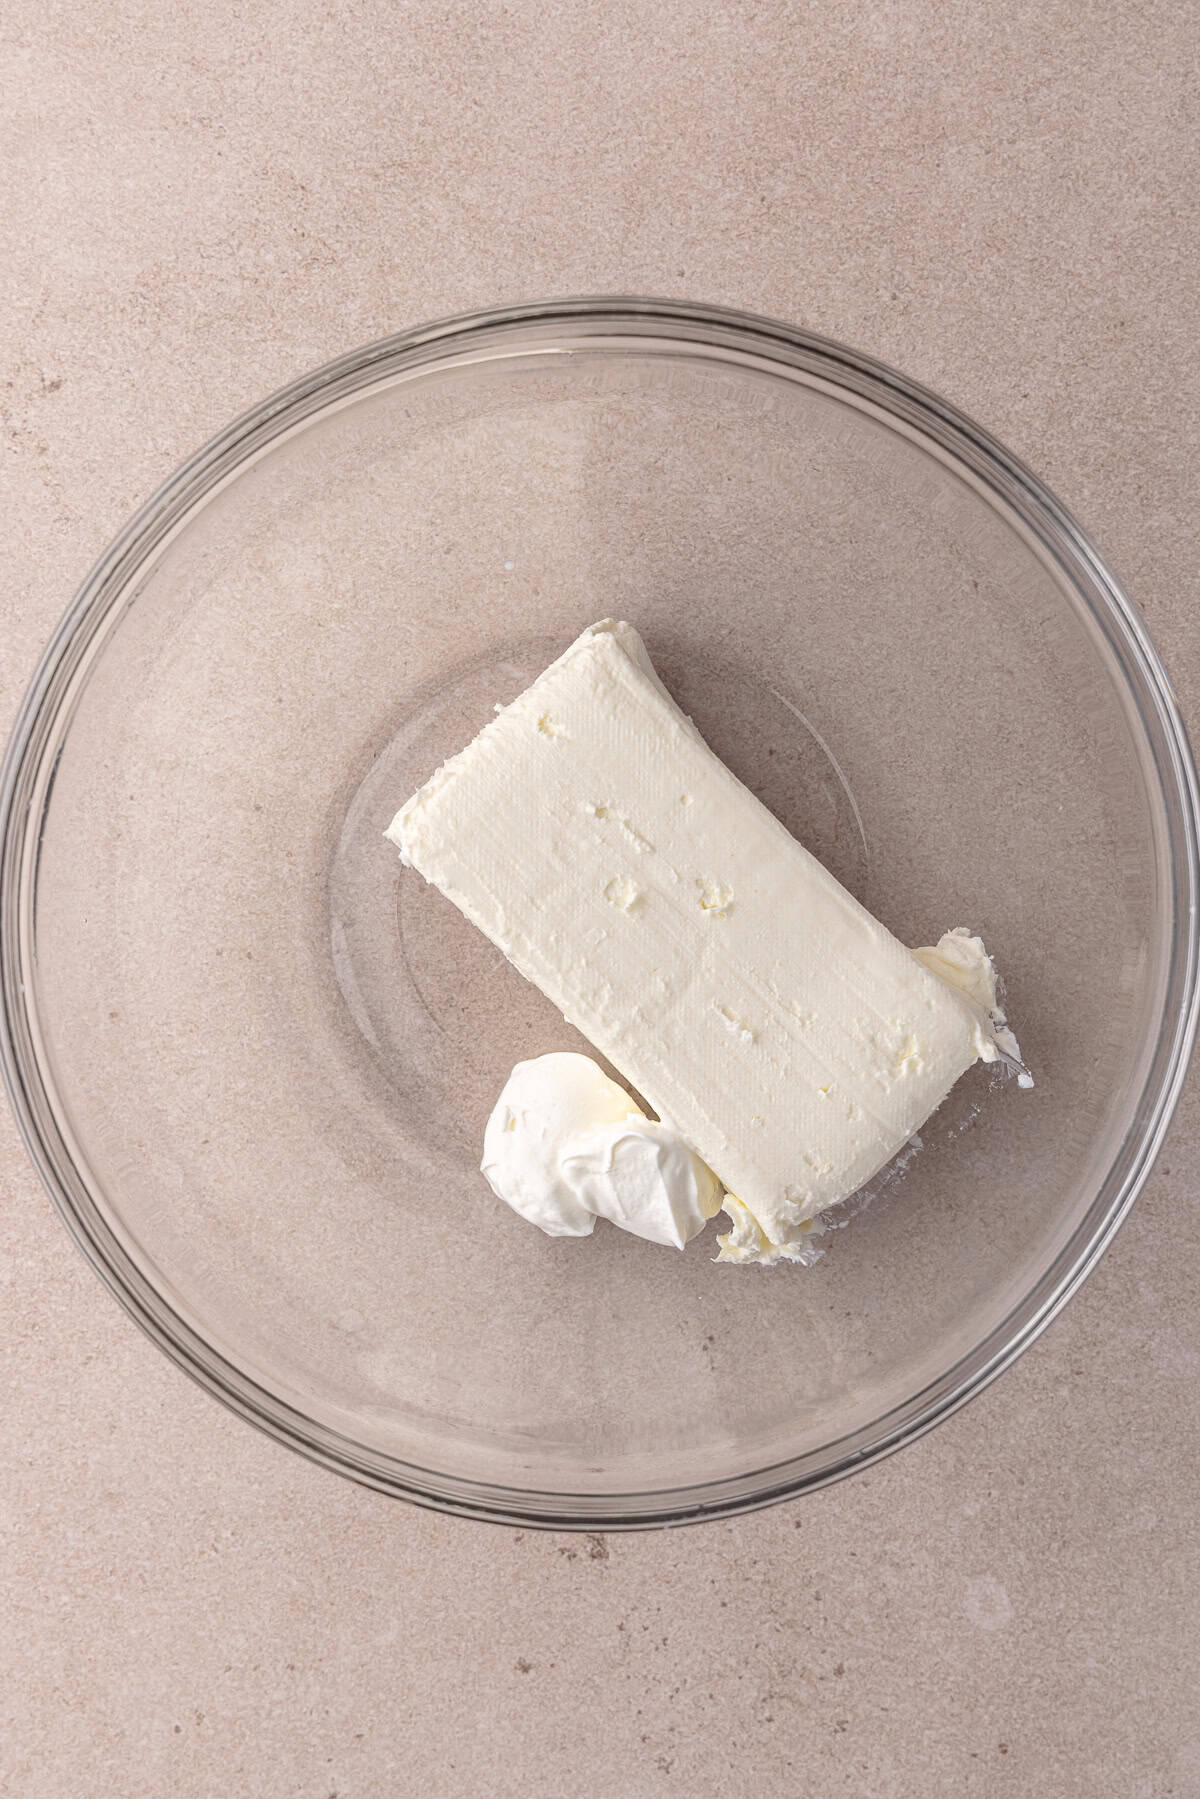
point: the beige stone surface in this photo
(1001, 199)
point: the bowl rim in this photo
(26, 781)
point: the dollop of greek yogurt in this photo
(566, 1145)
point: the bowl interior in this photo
(270, 1051)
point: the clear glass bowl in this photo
(253, 1057)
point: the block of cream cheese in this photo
(793, 1042)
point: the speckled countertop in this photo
(1001, 199)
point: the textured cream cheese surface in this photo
(793, 1042)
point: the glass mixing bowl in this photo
(253, 1057)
